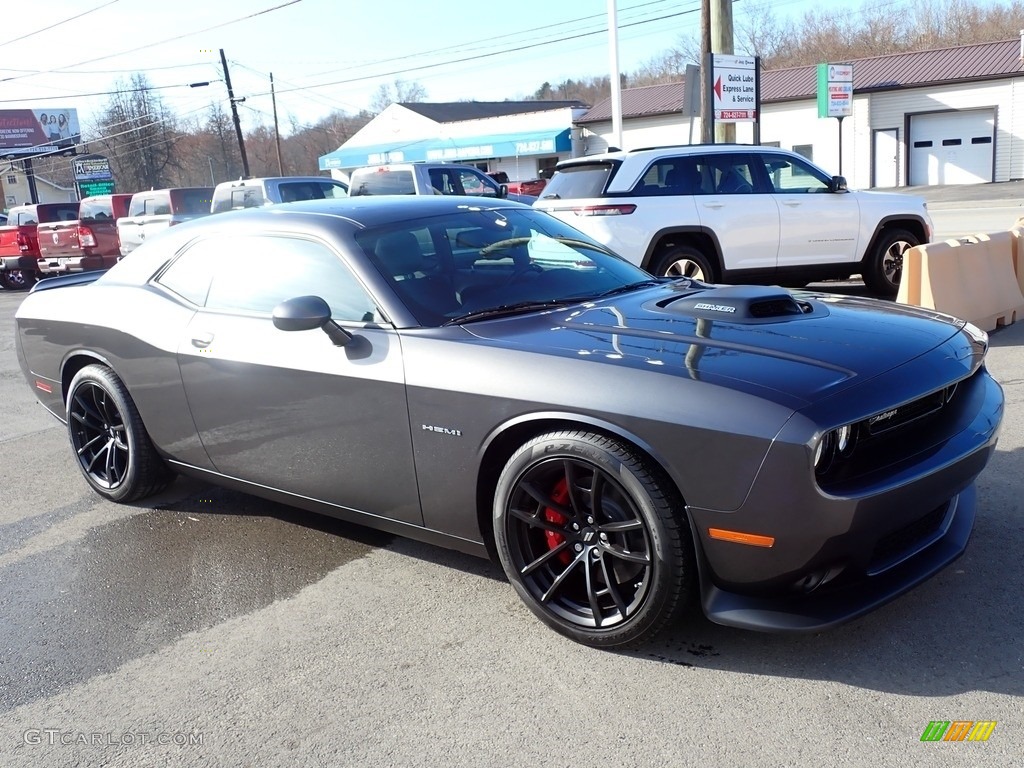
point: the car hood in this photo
(794, 347)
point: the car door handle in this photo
(792, 203)
(715, 205)
(202, 340)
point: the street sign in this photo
(835, 90)
(734, 82)
(94, 187)
(92, 168)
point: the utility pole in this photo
(707, 115)
(616, 83)
(234, 114)
(277, 133)
(722, 42)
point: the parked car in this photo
(19, 241)
(486, 378)
(253, 193)
(427, 179)
(736, 213)
(86, 243)
(150, 213)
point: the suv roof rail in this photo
(698, 144)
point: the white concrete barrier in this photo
(972, 278)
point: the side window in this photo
(441, 180)
(158, 206)
(189, 275)
(733, 175)
(793, 175)
(474, 184)
(27, 217)
(671, 176)
(255, 274)
(137, 207)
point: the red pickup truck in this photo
(86, 243)
(19, 241)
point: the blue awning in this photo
(451, 150)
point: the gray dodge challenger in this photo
(481, 376)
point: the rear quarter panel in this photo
(62, 329)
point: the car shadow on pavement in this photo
(957, 632)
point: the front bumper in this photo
(841, 555)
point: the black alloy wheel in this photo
(884, 271)
(592, 539)
(114, 451)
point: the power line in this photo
(111, 93)
(160, 42)
(64, 21)
(478, 56)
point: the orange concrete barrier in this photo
(972, 278)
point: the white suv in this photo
(736, 213)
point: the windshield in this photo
(467, 264)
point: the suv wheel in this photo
(884, 267)
(685, 261)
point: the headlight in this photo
(835, 442)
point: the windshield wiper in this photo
(520, 307)
(628, 287)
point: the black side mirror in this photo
(838, 184)
(503, 191)
(304, 313)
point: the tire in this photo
(114, 451)
(884, 268)
(686, 261)
(607, 577)
(17, 279)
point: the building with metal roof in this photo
(945, 116)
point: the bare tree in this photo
(400, 92)
(139, 136)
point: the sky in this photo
(328, 55)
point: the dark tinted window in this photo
(192, 200)
(291, 191)
(382, 183)
(672, 176)
(792, 175)
(577, 181)
(54, 212)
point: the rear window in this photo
(98, 208)
(382, 183)
(291, 191)
(576, 181)
(58, 212)
(192, 200)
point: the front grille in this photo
(897, 417)
(907, 541)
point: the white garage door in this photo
(952, 147)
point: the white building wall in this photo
(796, 123)
(889, 110)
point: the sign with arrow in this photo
(734, 82)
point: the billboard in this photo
(28, 132)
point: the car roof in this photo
(653, 153)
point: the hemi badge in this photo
(43, 386)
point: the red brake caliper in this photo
(559, 495)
